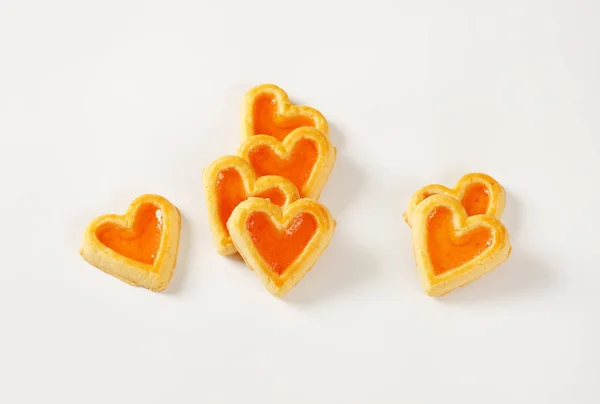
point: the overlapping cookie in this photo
(262, 203)
(305, 156)
(139, 247)
(451, 247)
(280, 244)
(230, 180)
(479, 194)
(267, 110)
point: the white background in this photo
(103, 101)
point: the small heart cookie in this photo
(306, 157)
(230, 180)
(139, 247)
(479, 193)
(280, 244)
(452, 248)
(268, 111)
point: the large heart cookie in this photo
(280, 244)
(479, 193)
(452, 248)
(230, 180)
(306, 157)
(139, 247)
(268, 111)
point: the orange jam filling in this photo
(476, 199)
(268, 122)
(447, 251)
(280, 248)
(297, 167)
(275, 195)
(231, 192)
(140, 242)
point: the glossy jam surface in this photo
(267, 121)
(139, 243)
(297, 167)
(274, 195)
(231, 192)
(476, 199)
(446, 250)
(280, 248)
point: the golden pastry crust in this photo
(155, 276)
(495, 194)
(289, 157)
(494, 252)
(253, 186)
(284, 111)
(280, 283)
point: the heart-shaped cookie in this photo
(452, 248)
(280, 244)
(306, 157)
(139, 247)
(230, 180)
(479, 193)
(268, 111)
